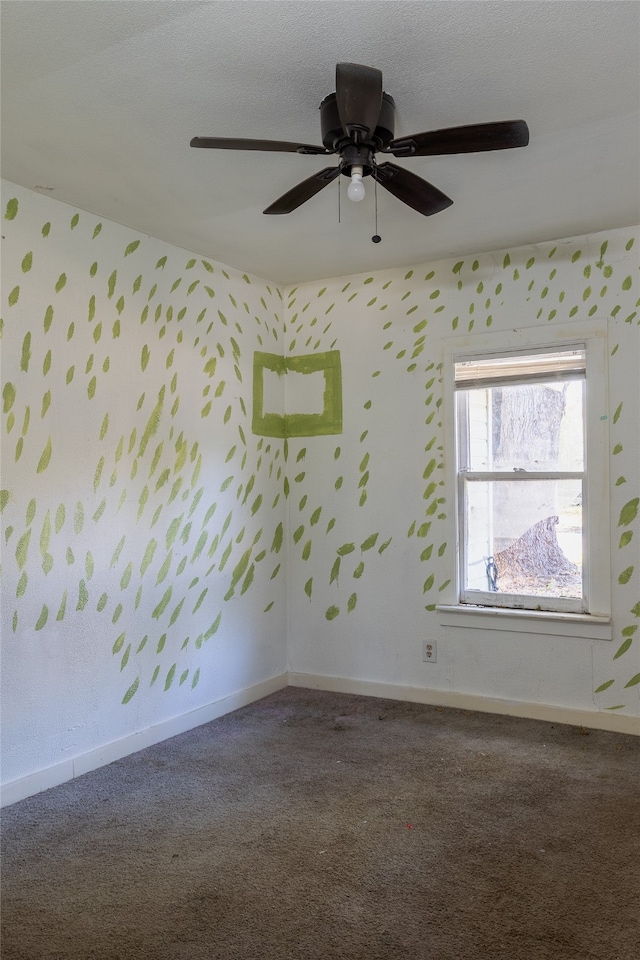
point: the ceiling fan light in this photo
(355, 190)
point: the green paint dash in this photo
(42, 619)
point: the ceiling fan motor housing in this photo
(355, 154)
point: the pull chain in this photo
(376, 238)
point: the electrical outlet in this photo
(429, 651)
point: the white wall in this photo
(127, 384)
(127, 414)
(390, 330)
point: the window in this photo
(521, 480)
(528, 441)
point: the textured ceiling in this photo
(101, 97)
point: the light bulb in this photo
(355, 190)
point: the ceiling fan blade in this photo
(412, 190)
(276, 146)
(474, 138)
(359, 99)
(303, 191)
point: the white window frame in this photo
(595, 621)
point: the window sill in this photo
(546, 623)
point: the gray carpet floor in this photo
(318, 826)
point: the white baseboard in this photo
(592, 719)
(61, 772)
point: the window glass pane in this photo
(533, 427)
(524, 537)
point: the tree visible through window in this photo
(521, 479)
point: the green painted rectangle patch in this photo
(299, 424)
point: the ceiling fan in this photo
(357, 122)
